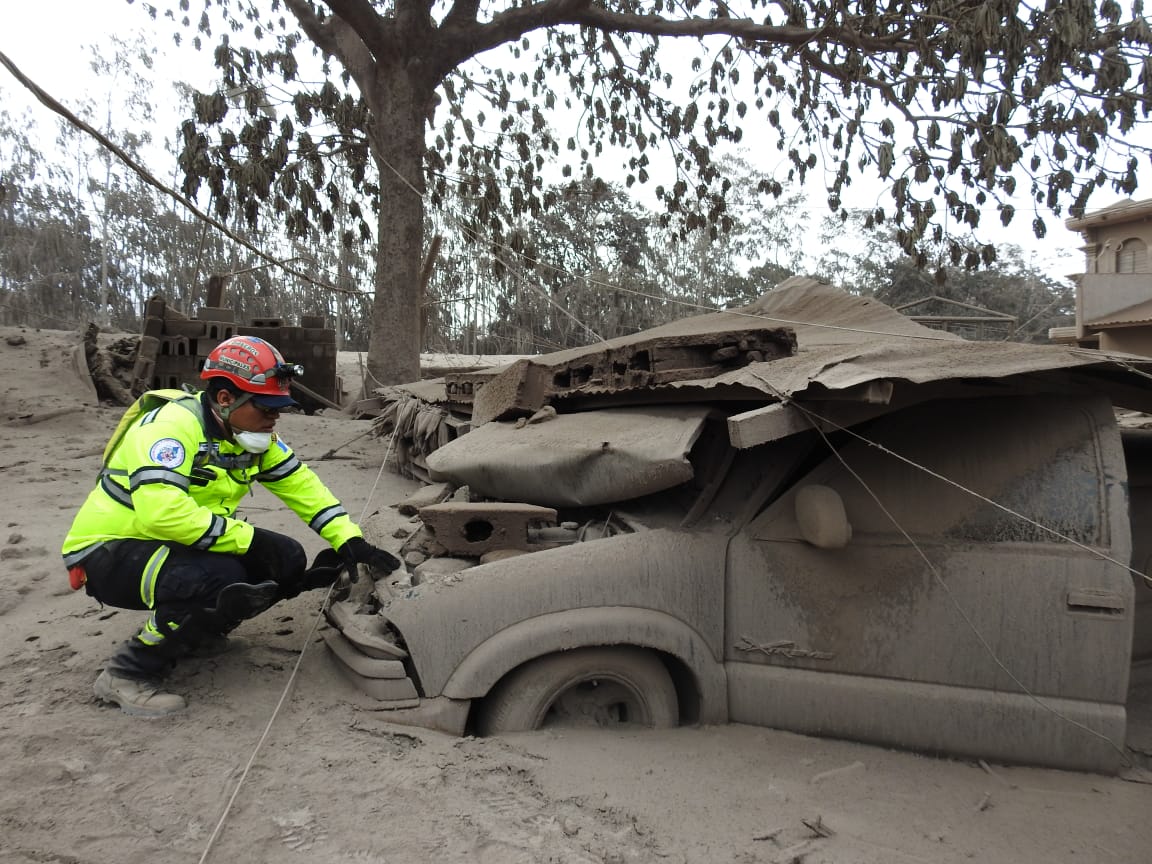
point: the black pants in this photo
(180, 585)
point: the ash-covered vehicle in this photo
(854, 527)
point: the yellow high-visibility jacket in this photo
(175, 476)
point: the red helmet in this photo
(255, 367)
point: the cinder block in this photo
(473, 529)
(519, 391)
(309, 322)
(148, 348)
(186, 329)
(216, 284)
(463, 386)
(143, 369)
(217, 313)
(174, 346)
(217, 332)
(179, 365)
(177, 371)
(289, 333)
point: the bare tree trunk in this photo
(397, 138)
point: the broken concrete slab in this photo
(527, 385)
(425, 496)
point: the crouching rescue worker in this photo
(159, 530)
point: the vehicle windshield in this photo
(724, 482)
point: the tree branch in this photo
(467, 38)
(462, 12)
(740, 28)
(320, 32)
(365, 22)
(338, 38)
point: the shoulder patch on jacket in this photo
(167, 452)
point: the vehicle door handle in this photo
(1095, 600)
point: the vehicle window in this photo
(757, 475)
(1036, 456)
(1138, 458)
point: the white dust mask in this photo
(254, 442)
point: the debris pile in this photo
(427, 415)
(111, 366)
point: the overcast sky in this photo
(49, 41)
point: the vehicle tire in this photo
(584, 687)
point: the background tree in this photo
(1012, 285)
(597, 265)
(951, 103)
(124, 114)
(49, 264)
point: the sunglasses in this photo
(266, 410)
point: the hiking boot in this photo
(137, 697)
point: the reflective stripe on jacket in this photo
(170, 479)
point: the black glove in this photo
(325, 570)
(357, 550)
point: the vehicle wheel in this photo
(585, 687)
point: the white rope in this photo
(288, 685)
(379, 474)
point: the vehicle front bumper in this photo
(374, 665)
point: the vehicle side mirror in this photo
(821, 517)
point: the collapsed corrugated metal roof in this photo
(837, 359)
(844, 341)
